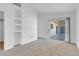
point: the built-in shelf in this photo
(18, 13)
(18, 18)
(17, 31)
(18, 23)
(18, 35)
(18, 27)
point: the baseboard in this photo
(71, 43)
(17, 45)
(5, 49)
(28, 42)
(42, 38)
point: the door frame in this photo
(63, 18)
(68, 19)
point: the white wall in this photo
(43, 23)
(67, 30)
(29, 24)
(43, 30)
(8, 25)
(52, 32)
(77, 27)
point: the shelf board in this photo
(18, 24)
(19, 18)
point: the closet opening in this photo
(1, 30)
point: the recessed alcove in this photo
(1, 30)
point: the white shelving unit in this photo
(17, 26)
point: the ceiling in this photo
(59, 22)
(53, 7)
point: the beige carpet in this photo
(43, 47)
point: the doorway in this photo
(59, 29)
(1, 30)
